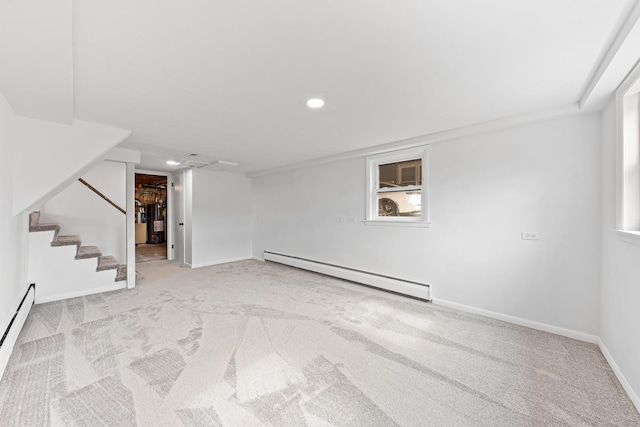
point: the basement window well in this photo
(628, 162)
(397, 188)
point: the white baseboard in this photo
(12, 336)
(400, 286)
(581, 336)
(616, 370)
(118, 285)
(223, 261)
(257, 258)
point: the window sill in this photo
(628, 236)
(391, 223)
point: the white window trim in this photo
(628, 158)
(371, 215)
(632, 237)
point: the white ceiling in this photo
(228, 79)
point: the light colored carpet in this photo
(151, 252)
(251, 343)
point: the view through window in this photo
(397, 187)
(400, 189)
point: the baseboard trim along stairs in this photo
(391, 284)
(71, 269)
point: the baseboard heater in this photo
(392, 284)
(10, 335)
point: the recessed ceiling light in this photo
(315, 103)
(172, 163)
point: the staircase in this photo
(60, 281)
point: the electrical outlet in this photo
(352, 219)
(530, 235)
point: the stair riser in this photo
(107, 263)
(85, 252)
(122, 273)
(34, 219)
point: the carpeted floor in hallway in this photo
(151, 252)
(252, 343)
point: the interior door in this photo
(178, 216)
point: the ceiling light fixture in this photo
(173, 163)
(315, 103)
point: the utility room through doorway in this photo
(151, 217)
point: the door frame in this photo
(175, 226)
(169, 230)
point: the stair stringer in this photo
(59, 275)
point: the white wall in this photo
(81, 211)
(484, 191)
(13, 229)
(58, 275)
(37, 58)
(36, 78)
(52, 156)
(620, 298)
(220, 218)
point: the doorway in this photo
(151, 217)
(177, 187)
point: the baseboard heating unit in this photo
(10, 335)
(393, 284)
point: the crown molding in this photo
(614, 65)
(437, 137)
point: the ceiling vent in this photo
(196, 164)
(191, 154)
(224, 162)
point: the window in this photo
(628, 164)
(397, 192)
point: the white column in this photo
(131, 230)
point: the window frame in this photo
(628, 158)
(373, 182)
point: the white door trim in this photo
(175, 218)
